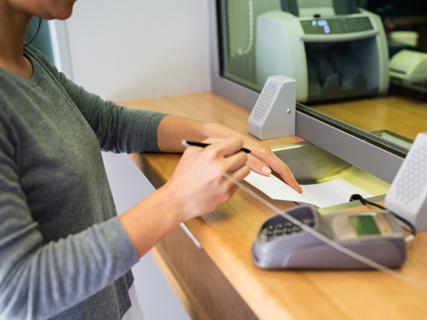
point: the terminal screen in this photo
(365, 226)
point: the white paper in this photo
(322, 195)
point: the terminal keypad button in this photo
(273, 231)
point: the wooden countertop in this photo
(221, 282)
(403, 115)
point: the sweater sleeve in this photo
(38, 279)
(119, 129)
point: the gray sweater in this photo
(63, 252)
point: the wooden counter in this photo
(221, 282)
(403, 115)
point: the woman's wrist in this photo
(149, 220)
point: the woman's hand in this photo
(197, 186)
(173, 129)
(261, 160)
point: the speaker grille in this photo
(413, 180)
(264, 100)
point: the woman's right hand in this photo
(197, 186)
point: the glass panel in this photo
(339, 56)
(42, 41)
(239, 23)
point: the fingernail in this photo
(265, 170)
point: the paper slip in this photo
(322, 195)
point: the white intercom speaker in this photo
(273, 115)
(407, 196)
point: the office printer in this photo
(331, 48)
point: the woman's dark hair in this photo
(37, 32)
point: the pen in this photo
(201, 144)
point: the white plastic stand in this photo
(273, 115)
(407, 196)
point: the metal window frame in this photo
(353, 145)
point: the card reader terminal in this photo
(376, 235)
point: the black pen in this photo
(201, 144)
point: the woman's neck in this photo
(13, 25)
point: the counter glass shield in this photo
(337, 51)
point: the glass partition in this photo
(338, 52)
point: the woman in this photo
(64, 252)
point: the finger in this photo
(241, 173)
(277, 165)
(235, 162)
(285, 173)
(238, 176)
(258, 166)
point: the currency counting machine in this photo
(331, 48)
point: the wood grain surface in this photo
(404, 115)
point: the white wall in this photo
(129, 186)
(133, 49)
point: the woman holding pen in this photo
(64, 253)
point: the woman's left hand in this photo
(261, 159)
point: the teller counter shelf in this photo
(401, 116)
(221, 281)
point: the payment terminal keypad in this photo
(274, 231)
